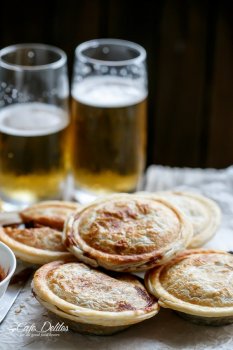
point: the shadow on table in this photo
(166, 331)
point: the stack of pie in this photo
(120, 233)
(97, 248)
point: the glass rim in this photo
(94, 43)
(61, 61)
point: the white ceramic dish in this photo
(7, 265)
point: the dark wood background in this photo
(190, 64)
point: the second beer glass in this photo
(109, 94)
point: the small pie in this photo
(126, 232)
(198, 284)
(49, 213)
(41, 240)
(91, 301)
(204, 213)
(37, 245)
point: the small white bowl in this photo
(8, 265)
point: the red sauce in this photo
(2, 274)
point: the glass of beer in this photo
(34, 120)
(108, 133)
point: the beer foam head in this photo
(108, 91)
(32, 119)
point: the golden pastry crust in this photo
(35, 245)
(74, 323)
(204, 213)
(44, 238)
(127, 232)
(84, 294)
(49, 213)
(196, 282)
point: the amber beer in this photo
(32, 151)
(108, 134)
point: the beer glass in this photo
(109, 97)
(33, 122)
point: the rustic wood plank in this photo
(75, 24)
(53, 22)
(25, 22)
(180, 83)
(220, 146)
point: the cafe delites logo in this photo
(46, 329)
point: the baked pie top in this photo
(49, 213)
(41, 241)
(93, 296)
(127, 232)
(198, 282)
(37, 245)
(203, 213)
(44, 238)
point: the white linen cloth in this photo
(165, 331)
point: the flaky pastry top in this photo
(203, 213)
(49, 213)
(44, 238)
(88, 295)
(198, 281)
(126, 232)
(129, 226)
(83, 286)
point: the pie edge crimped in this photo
(26, 214)
(166, 300)
(82, 314)
(214, 213)
(31, 254)
(133, 263)
(212, 208)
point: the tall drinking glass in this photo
(109, 96)
(33, 122)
